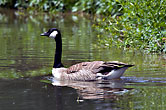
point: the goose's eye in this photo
(49, 31)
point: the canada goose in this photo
(86, 70)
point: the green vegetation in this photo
(133, 24)
(142, 26)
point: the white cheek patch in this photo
(53, 34)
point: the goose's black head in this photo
(52, 33)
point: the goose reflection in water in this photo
(101, 89)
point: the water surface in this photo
(26, 60)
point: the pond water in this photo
(26, 60)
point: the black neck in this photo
(58, 52)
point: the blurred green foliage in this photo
(136, 24)
(43, 5)
(142, 26)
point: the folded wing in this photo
(97, 67)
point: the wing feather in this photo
(97, 66)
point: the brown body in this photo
(91, 71)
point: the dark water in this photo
(26, 61)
